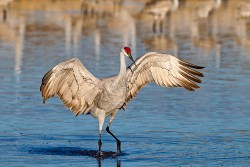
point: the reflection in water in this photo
(203, 34)
(73, 151)
(164, 40)
(218, 55)
(13, 27)
(204, 29)
(19, 46)
(12, 30)
(88, 24)
(161, 43)
(97, 43)
(73, 33)
(203, 22)
(68, 35)
(99, 161)
(124, 24)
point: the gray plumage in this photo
(83, 93)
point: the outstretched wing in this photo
(73, 84)
(164, 70)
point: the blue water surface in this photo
(160, 127)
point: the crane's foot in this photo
(99, 154)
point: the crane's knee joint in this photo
(107, 129)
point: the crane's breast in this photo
(111, 98)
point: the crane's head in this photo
(127, 52)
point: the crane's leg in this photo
(101, 118)
(118, 142)
(161, 26)
(162, 17)
(154, 24)
(4, 14)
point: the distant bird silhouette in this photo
(83, 93)
(159, 9)
(206, 7)
(244, 9)
(5, 5)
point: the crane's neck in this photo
(122, 74)
(123, 64)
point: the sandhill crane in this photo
(5, 2)
(5, 5)
(159, 10)
(207, 6)
(243, 9)
(83, 93)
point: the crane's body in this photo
(82, 93)
(243, 9)
(205, 8)
(112, 96)
(161, 7)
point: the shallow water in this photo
(161, 127)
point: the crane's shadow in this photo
(74, 151)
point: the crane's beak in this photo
(131, 58)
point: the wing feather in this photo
(73, 84)
(165, 70)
